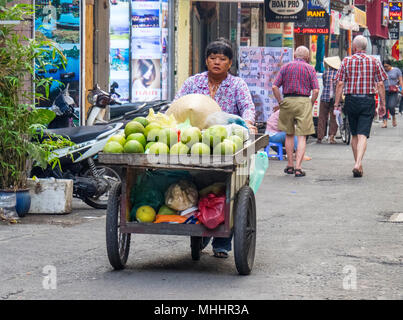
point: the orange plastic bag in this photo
(171, 218)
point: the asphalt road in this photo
(324, 236)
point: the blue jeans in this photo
(219, 243)
(280, 138)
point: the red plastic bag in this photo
(211, 210)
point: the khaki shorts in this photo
(295, 116)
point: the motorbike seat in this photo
(80, 134)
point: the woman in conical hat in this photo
(327, 99)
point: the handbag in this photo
(393, 89)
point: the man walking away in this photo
(391, 92)
(298, 80)
(361, 76)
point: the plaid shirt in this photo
(297, 77)
(329, 85)
(360, 73)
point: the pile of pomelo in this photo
(142, 136)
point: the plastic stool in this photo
(278, 154)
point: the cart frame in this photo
(234, 169)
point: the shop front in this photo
(126, 43)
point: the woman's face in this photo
(218, 63)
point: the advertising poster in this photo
(259, 67)
(146, 79)
(147, 43)
(59, 21)
(119, 30)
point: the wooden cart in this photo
(240, 207)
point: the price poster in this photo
(259, 67)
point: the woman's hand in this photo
(251, 127)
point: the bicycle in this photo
(345, 128)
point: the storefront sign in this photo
(317, 20)
(285, 10)
(360, 17)
(259, 66)
(394, 31)
(395, 11)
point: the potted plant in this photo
(21, 124)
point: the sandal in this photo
(357, 173)
(289, 170)
(221, 253)
(299, 173)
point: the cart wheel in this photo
(196, 247)
(117, 243)
(245, 230)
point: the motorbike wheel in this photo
(111, 176)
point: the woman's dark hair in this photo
(387, 61)
(220, 46)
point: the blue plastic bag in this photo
(259, 166)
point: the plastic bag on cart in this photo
(181, 195)
(151, 186)
(258, 168)
(211, 210)
(224, 118)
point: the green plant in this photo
(21, 124)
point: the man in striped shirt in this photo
(298, 79)
(361, 76)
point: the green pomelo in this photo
(133, 146)
(169, 136)
(159, 148)
(133, 127)
(179, 148)
(118, 138)
(148, 145)
(151, 126)
(113, 147)
(190, 136)
(142, 120)
(165, 210)
(154, 134)
(238, 142)
(139, 137)
(214, 135)
(240, 133)
(200, 148)
(227, 147)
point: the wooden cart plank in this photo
(197, 230)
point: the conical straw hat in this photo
(333, 62)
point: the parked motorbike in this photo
(64, 107)
(106, 107)
(91, 181)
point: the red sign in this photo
(395, 11)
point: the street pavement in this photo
(324, 236)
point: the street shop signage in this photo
(395, 11)
(285, 10)
(317, 20)
(394, 31)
